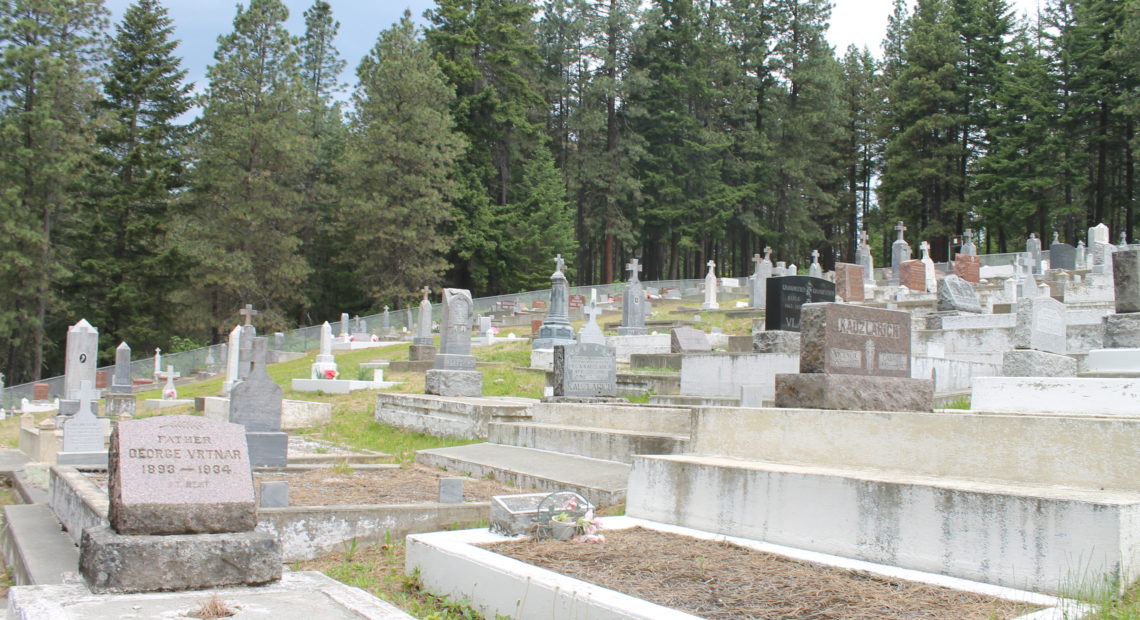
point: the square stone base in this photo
(775, 341)
(411, 365)
(632, 331)
(453, 382)
(119, 405)
(111, 562)
(268, 449)
(82, 459)
(1122, 331)
(1031, 363)
(821, 391)
(422, 352)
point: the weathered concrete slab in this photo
(1070, 396)
(443, 416)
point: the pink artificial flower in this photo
(330, 374)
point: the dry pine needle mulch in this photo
(721, 580)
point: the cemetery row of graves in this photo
(927, 439)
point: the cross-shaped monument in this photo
(901, 228)
(633, 268)
(925, 247)
(426, 291)
(248, 312)
(559, 263)
(815, 256)
(862, 237)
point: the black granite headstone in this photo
(787, 294)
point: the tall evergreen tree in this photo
(245, 214)
(862, 98)
(331, 288)
(488, 52)
(48, 87)
(128, 268)
(398, 171)
(921, 177)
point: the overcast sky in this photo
(198, 23)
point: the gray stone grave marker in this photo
(1126, 280)
(83, 431)
(180, 474)
(854, 340)
(689, 340)
(121, 381)
(633, 304)
(957, 295)
(79, 363)
(1062, 256)
(900, 253)
(1040, 325)
(585, 370)
(255, 403)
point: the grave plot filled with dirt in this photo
(720, 580)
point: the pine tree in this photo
(540, 224)
(331, 288)
(129, 269)
(399, 168)
(921, 178)
(245, 216)
(48, 87)
(862, 97)
(488, 52)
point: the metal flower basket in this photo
(557, 515)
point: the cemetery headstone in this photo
(169, 392)
(854, 340)
(454, 373)
(849, 282)
(710, 302)
(788, 294)
(900, 253)
(929, 275)
(968, 247)
(423, 327)
(854, 358)
(633, 305)
(386, 322)
(278, 341)
(233, 361)
(759, 280)
(324, 367)
(815, 270)
(957, 295)
(912, 274)
(1040, 325)
(344, 327)
(79, 364)
(591, 332)
(256, 403)
(864, 258)
(576, 302)
(792, 270)
(1126, 280)
(484, 327)
(121, 380)
(689, 340)
(1033, 248)
(1100, 248)
(540, 304)
(585, 370)
(245, 350)
(83, 432)
(556, 327)
(1062, 256)
(1122, 330)
(780, 271)
(968, 267)
(181, 498)
(1082, 259)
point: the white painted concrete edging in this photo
(450, 564)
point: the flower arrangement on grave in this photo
(375, 338)
(573, 520)
(331, 373)
(170, 393)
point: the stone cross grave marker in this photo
(556, 329)
(968, 248)
(710, 288)
(325, 363)
(854, 340)
(689, 340)
(83, 432)
(423, 328)
(864, 258)
(815, 270)
(788, 294)
(900, 253)
(233, 359)
(1033, 248)
(591, 332)
(169, 392)
(248, 312)
(180, 474)
(585, 370)
(633, 303)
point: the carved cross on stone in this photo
(968, 235)
(767, 253)
(757, 259)
(559, 264)
(862, 238)
(901, 228)
(426, 291)
(925, 247)
(815, 256)
(248, 312)
(87, 396)
(1056, 237)
(633, 268)
(592, 311)
(711, 265)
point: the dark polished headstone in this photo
(1062, 256)
(785, 296)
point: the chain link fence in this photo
(212, 358)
